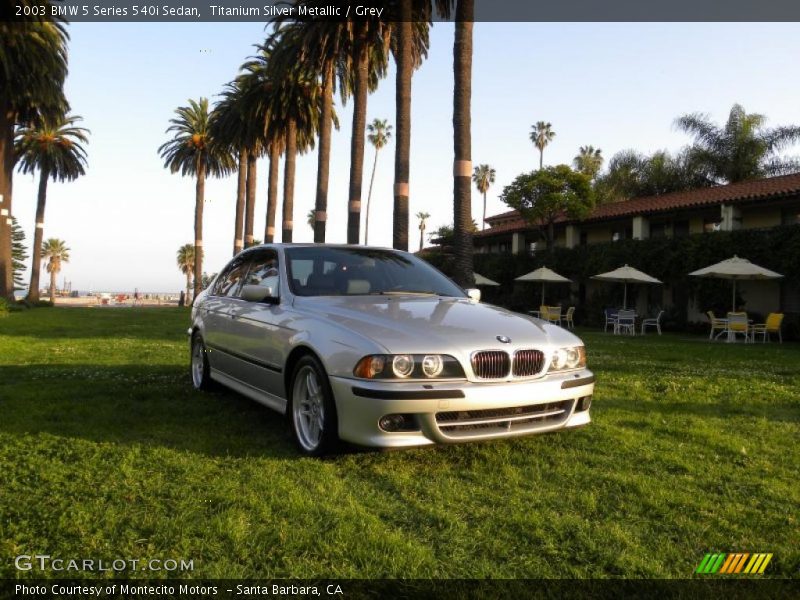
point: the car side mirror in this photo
(259, 293)
(474, 294)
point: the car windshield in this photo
(326, 271)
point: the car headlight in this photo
(409, 366)
(572, 357)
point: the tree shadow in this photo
(152, 405)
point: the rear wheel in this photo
(313, 411)
(201, 380)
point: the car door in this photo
(260, 332)
(217, 315)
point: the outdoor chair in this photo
(772, 325)
(737, 324)
(551, 314)
(717, 324)
(626, 322)
(656, 322)
(610, 318)
(568, 317)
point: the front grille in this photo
(495, 420)
(528, 362)
(491, 364)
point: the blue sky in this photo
(614, 86)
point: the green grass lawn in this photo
(106, 452)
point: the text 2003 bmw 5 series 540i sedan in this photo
(378, 348)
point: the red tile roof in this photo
(759, 189)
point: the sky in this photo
(614, 86)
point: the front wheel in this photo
(201, 380)
(313, 411)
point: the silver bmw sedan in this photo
(376, 347)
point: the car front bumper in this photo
(452, 412)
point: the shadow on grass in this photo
(152, 406)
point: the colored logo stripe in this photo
(734, 563)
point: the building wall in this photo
(597, 235)
(761, 218)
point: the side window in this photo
(264, 271)
(228, 282)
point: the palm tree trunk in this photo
(250, 203)
(200, 192)
(188, 285)
(369, 198)
(7, 119)
(38, 235)
(324, 157)
(272, 193)
(238, 239)
(462, 144)
(541, 158)
(288, 181)
(357, 146)
(405, 70)
(52, 284)
(421, 237)
(484, 211)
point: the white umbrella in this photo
(544, 275)
(626, 275)
(736, 268)
(481, 280)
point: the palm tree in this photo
(53, 146)
(589, 161)
(742, 149)
(462, 144)
(229, 125)
(410, 46)
(378, 133)
(423, 224)
(366, 61)
(33, 65)
(324, 44)
(541, 135)
(483, 176)
(192, 151)
(186, 264)
(19, 253)
(289, 107)
(55, 252)
(311, 218)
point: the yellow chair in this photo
(773, 325)
(737, 324)
(554, 314)
(716, 325)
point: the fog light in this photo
(584, 403)
(392, 423)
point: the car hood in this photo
(414, 324)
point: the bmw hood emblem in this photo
(503, 339)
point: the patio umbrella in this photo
(736, 268)
(481, 280)
(626, 275)
(544, 275)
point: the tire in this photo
(198, 365)
(312, 410)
